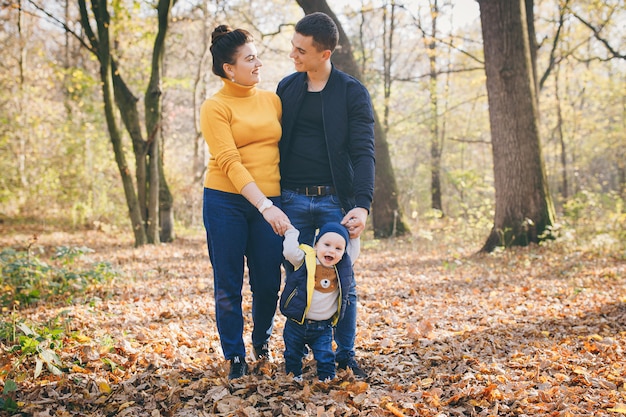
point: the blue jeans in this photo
(307, 214)
(318, 335)
(236, 232)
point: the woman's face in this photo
(246, 69)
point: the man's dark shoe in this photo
(238, 367)
(262, 353)
(354, 366)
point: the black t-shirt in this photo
(307, 162)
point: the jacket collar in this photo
(331, 77)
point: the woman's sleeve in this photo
(215, 125)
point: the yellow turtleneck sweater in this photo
(241, 125)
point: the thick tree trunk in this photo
(524, 210)
(387, 216)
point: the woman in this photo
(242, 218)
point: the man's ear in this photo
(326, 54)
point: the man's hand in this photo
(354, 221)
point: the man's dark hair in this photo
(322, 28)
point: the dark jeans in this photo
(236, 231)
(318, 335)
(307, 214)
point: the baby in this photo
(315, 295)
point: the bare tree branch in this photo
(64, 26)
(440, 72)
(555, 42)
(596, 33)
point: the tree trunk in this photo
(127, 103)
(153, 101)
(166, 208)
(560, 136)
(199, 94)
(387, 218)
(621, 161)
(388, 30)
(532, 46)
(103, 50)
(151, 186)
(524, 211)
(435, 145)
(22, 149)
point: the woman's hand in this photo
(277, 219)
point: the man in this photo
(326, 152)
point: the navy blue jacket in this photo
(349, 130)
(296, 297)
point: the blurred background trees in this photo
(422, 61)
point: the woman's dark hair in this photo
(322, 28)
(224, 44)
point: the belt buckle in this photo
(315, 191)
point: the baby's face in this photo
(330, 248)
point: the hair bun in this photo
(219, 32)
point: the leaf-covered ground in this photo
(442, 332)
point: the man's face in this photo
(330, 248)
(305, 56)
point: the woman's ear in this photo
(228, 70)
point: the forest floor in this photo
(538, 331)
